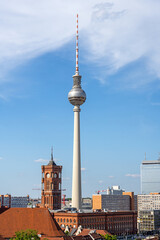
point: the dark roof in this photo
(3, 209)
(1, 238)
(95, 236)
(16, 219)
(73, 231)
(51, 162)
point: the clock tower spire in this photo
(51, 185)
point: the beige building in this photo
(149, 201)
(148, 212)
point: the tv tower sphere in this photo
(76, 97)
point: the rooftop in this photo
(16, 219)
(151, 162)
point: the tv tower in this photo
(76, 97)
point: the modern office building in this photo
(148, 202)
(13, 202)
(148, 220)
(19, 202)
(148, 212)
(114, 202)
(150, 176)
(111, 202)
(115, 190)
(51, 185)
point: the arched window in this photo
(47, 185)
(55, 175)
(47, 175)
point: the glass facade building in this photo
(150, 177)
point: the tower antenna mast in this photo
(77, 49)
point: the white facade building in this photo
(148, 202)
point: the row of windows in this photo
(65, 220)
(112, 226)
(52, 175)
(91, 226)
(47, 200)
(120, 219)
(51, 186)
(91, 220)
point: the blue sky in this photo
(119, 63)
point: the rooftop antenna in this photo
(77, 67)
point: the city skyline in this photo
(119, 64)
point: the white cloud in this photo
(155, 103)
(114, 33)
(100, 181)
(28, 30)
(111, 176)
(132, 175)
(56, 160)
(41, 160)
(83, 169)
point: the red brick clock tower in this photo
(51, 185)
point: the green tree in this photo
(110, 237)
(28, 234)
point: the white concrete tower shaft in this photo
(76, 180)
(76, 97)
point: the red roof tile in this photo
(16, 219)
(103, 232)
(85, 231)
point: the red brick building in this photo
(51, 185)
(119, 223)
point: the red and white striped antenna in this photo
(77, 67)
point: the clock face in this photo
(48, 175)
(55, 175)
